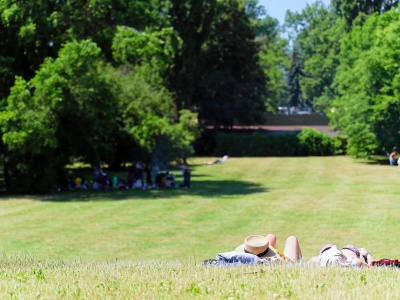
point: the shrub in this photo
(316, 143)
(257, 144)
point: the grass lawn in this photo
(319, 199)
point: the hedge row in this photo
(308, 142)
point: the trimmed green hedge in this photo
(308, 142)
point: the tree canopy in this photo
(90, 79)
(348, 49)
(368, 85)
(113, 81)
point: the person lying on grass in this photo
(258, 249)
(291, 251)
(331, 255)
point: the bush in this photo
(256, 144)
(304, 143)
(315, 143)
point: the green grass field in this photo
(111, 237)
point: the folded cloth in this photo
(236, 258)
(386, 262)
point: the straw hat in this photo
(257, 245)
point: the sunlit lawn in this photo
(320, 200)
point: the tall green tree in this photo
(84, 78)
(33, 30)
(351, 10)
(368, 80)
(192, 20)
(148, 112)
(318, 35)
(232, 87)
(216, 69)
(66, 110)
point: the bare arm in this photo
(367, 256)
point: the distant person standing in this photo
(186, 177)
(154, 172)
(392, 155)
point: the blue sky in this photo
(278, 8)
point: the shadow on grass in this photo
(200, 188)
(378, 160)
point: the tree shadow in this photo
(202, 188)
(378, 160)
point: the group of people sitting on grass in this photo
(139, 176)
(258, 249)
(100, 181)
(150, 177)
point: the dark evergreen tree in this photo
(296, 71)
(192, 20)
(232, 85)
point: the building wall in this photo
(291, 120)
